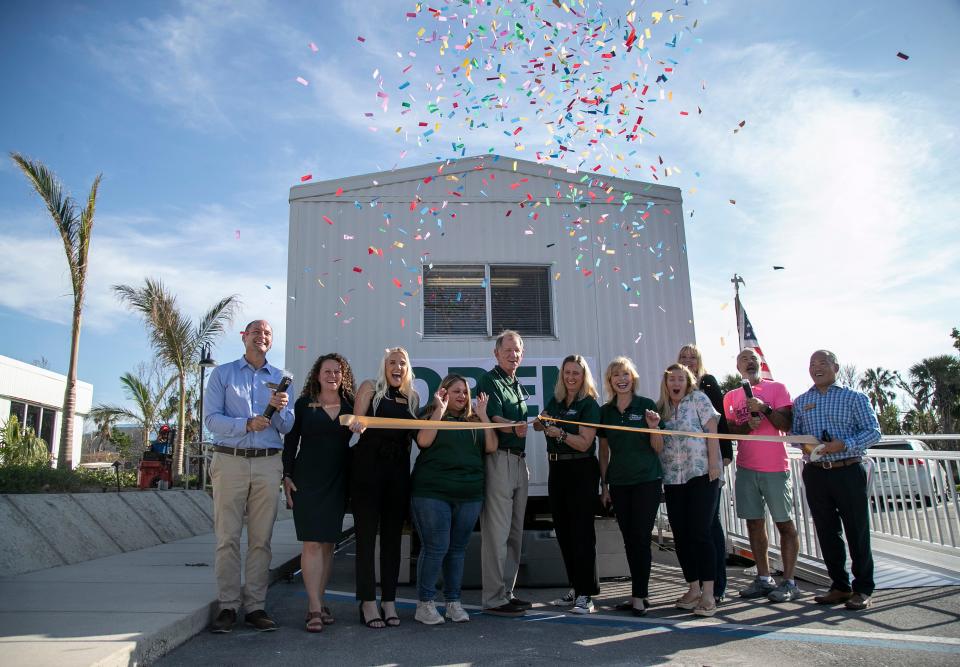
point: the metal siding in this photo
(592, 314)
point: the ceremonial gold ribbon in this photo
(799, 439)
(387, 422)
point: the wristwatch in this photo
(767, 410)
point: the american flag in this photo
(748, 338)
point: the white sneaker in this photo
(456, 613)
(583, 605)
(427, 613)
(566, 601)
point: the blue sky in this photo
(844, 171)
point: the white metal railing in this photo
(913, 501)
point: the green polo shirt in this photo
(632, 459)
(451, 469)
(584, 410)
(507, 401)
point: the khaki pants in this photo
(501, 525)
(244, 485)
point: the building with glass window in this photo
(35, 396)
(440, 258)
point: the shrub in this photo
(21, 446)
(41, 479)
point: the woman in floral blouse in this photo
(691, 472)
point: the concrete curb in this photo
(150, 648)
(123, 609)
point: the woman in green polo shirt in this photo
(447, 495)
(574, 478)
(630, 473)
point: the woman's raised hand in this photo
(481, 405)
(440, 399)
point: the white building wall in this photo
(333, 307)
(24, 382)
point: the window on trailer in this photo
(480, 299)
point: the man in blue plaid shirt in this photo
(836, 484)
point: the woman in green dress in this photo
(315, 473)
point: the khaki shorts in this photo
(755, 489)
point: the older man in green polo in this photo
(507, 477)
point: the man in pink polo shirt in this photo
(763, 475)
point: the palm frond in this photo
(105, 412)
(214, 322)
(138, 391)
(84, 232)
(62, 208)
(170, 331)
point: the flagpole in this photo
(745, 332)
(737, 280)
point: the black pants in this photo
(720, 546)
(574, 487)
(692, 508)
(636, 507)
(838, 500)
(380, 492)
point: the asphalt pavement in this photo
(917, 626)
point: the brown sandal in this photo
(314, 621)
(326, 616)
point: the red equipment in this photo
(152, 472)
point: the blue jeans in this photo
(444, 530)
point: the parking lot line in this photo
(653, 626)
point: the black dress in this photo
(316, 456)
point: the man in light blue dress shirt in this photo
(246, 471)
(836, 484)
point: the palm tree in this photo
(75, 227)
(939, 377)
(878, 383)
(919, 418)
(146, 399)
(730, 382)
(175, 338)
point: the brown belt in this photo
(829, 465)
(247, 452)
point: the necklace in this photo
(325, 406)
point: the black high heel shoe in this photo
(372, 623)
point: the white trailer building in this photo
(440, 258)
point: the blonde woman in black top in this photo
(380, 484)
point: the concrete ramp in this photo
(49, 530)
